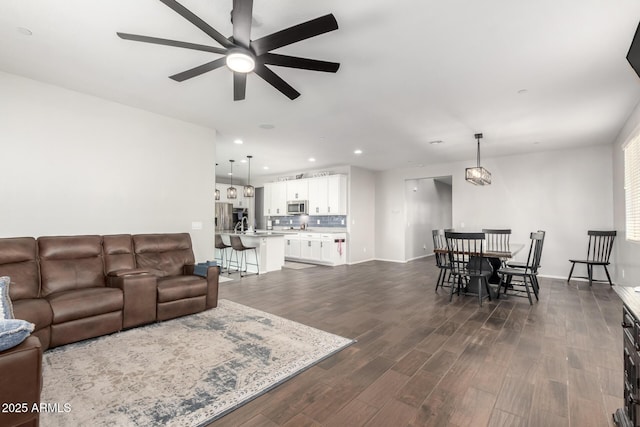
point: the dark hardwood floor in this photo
(422, 361)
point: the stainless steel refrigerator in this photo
(224, 216)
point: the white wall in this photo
(428, 207)
(626, 254)
(564, 192)
(76, 164)
(361, 227)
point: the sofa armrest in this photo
(21, 383)
(140, 295)
(213, 274)
(127, 272)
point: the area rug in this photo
(182, 372)
(297, 265)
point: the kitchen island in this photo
(269, 247)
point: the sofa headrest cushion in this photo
(17, 249)
(161, 242)
(69, 247)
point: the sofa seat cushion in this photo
(180, 287)
(34, 310)
(83, 303)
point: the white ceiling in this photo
(411, 72)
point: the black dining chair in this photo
(439, 248)
(522, 264)
(527, 274)
(598, 253)
(497, 240)
(469, 268)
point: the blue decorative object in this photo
(13, 332)
(200, 269)
(6, 309)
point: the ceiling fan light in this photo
(240, 62)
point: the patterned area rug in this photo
(182, 372)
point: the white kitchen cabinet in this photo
(336, 195)
(318, 248)
(275, 198)
(292, 246)
(328, 195)
(297, 189)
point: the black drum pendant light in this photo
(232, 193)
(478, 175)
(249, 191)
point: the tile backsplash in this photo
(312, 221)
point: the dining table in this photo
(495, 257)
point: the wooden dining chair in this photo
(469, 268)
(522, 264)
(497, 240)
(598, 253)
(526, 275)
(440, 245)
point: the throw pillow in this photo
(6, 309)
(13, 332)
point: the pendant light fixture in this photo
(248, 190)
(478, 175)
(232, 193)
(217, 192)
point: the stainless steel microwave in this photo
(298, 207)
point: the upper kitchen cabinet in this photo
(297, 189)
(275, 199)
(328, 195)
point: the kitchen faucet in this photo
(241, 224)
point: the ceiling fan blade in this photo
(297, 62)
(167, 42)
(294, 34)
(276, 81)
(239, 86)
(201, 69)
(241, 18)
(195, 20)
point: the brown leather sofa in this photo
(78, 287)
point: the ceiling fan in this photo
(243, 55)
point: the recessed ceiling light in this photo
(243, 161)
(437, 141)
(311, 159)
(25, 31)
(266, 126)
(229, 173)
(238, 141)
(357, 152)
(266, 168)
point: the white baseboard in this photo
(360, 262)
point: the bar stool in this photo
(238, 246)
(222, 251)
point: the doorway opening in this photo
(429, 206)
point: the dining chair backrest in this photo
(538, 253)
(497, 239)
(600, 245)
(439, 243)
(535, 252)
(462, 248)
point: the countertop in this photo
(629, 297)
(323, 230)
(257, 233)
